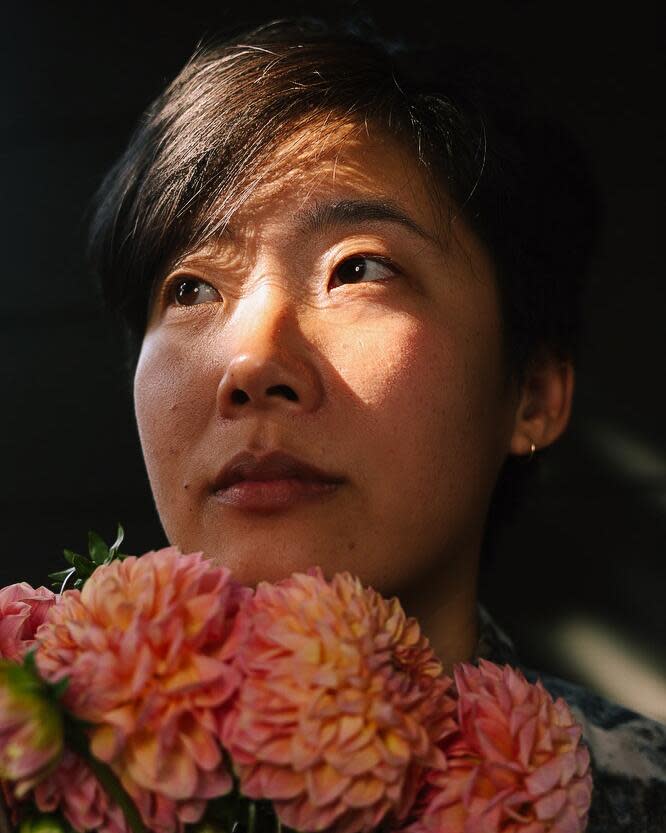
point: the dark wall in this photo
(77, 77)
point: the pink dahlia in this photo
(516, 766)
(342, 704)
(74, 790)
(22, 611)
(143, 646)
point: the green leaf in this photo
(97, 548)
(84, 567)
(113, 549)
(70, 556)
(60, 687)
(62, 578)
(59, 578)
(29, 661)
(61, 574)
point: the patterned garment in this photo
(628, 750)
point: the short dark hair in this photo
(520, 181)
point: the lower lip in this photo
(265, 495)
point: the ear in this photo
(545, 404)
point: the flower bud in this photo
(31, 728)
(43, 824)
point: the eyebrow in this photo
(324, 216)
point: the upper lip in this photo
(274, 466)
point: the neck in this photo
(445, 604)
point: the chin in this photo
(257, 552)
(251, 568)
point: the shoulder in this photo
(628, 753)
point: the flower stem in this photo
(77, 740)
(251, 817)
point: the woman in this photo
(349, 280)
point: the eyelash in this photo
(169, 287)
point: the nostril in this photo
(239, 397)
(283, 390)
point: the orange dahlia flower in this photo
(143, 647)
(516, 766)
(342, 704)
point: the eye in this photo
(365, 267)
(191, 291)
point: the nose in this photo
(271, 367)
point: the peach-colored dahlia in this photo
(22, 610)
(516, 766)
(143, 646)
(342, 704)
(74, 790)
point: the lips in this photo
(274, 466)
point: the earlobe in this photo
(545, 405)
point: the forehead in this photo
(372, 172)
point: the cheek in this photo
(416, 375)
(429, 390)
(171, 403)
(394, 372)
(374, 363)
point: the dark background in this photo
(580, 581)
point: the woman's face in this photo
(346, 322)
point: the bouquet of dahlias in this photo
(159, 694)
